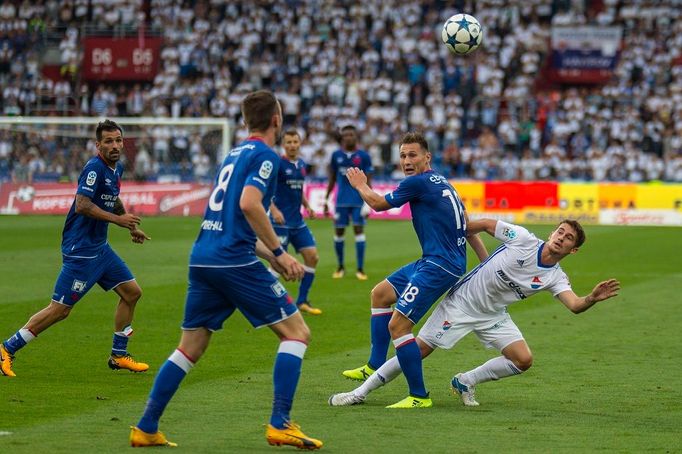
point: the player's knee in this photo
(303, 334)
(380, 297)
(133, 296)
(523, 362)
(312, 260)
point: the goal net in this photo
(161, 150)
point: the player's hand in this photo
(277, 216)
(325, 209)
(605, 290)
(291, 269)
(356, 177)
(311, 213)
(128, 221)
(138, 236)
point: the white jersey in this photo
(510, 274)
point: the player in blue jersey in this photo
(440, 221)
(349, 204)
(225, 275)
(285, 213)
(87, 257)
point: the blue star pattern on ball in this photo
(463, 23)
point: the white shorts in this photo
(445, 327)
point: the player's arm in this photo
(251, 204)
(276, 213)
(330, 187)
(602, 291)
(264, 253)
(308, 208)
(358, 180)
(136, 235)
(476, 242)
(482, 225)
(86, 207)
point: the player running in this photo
(285, 214)
(348, 202)
(440, 221)
(225, 275)
(87, 258)
(521, 267)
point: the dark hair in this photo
(258, 108)
(348, 127)
(415, 137)
(106, 125)
(292, 132)
(579, 232)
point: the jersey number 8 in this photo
(221, 187)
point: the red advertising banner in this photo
(147, 199)
(510, 195)
(121, 58)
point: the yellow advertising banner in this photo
(617, 195)
(659, 196)
(579, 197)
(554, 216)
(472, 194)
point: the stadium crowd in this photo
(378, 64)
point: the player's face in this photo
(562, 240)
(111, 146)
(291, 143)
(414, 159)
(349, 139)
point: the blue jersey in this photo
(289, 193)
(346, 195)
(226, 238)
(437, 217)
(84, 236)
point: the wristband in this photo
(278, 251)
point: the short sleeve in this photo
(89, 180)
(409, 189)
(514, 234)
(262, 171)
(561, 284)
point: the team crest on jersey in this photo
(509, 233)
(536, 283)
(278, 289)
(92, 177)
(356, 161)
(78, 286)
(446, 325)
(265, 169)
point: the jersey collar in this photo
(540, 265)
(99, 155)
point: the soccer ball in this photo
(462, 34)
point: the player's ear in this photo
(574, 250)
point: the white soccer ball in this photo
(462, 34)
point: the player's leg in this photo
(302, 239)
(117, 277)
(505, 336)
(341, 218)
(359, 230)
(192, 346)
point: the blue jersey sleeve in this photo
(262, 171)
(409, 189)
(89, 180)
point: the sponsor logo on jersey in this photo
(520, 262)
(509, 233)
(92, 177)
(265, 169)
(78, 286)
(288, 171)
(107, 181)
(536, 283)
(216, 226)
(438, 179)
(446, 325)
(513, 285)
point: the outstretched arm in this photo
(476, 242)
(358, 180)
(602, 291)
(482, 225)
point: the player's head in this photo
(566, 238)
(415, 157)
(261, 112)
(109, 141)
(291, 141)
(349, 138)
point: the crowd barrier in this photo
(519, 202)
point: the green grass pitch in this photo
(607, 380)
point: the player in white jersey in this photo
(523, 266)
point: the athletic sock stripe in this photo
(309, 269)
(180, 359)
(360, 237)
(403, 340)
(382, 311)
(292, 347)
(338, 239)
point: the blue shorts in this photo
(418, 285)
(344, 214)
(78, 275)
(299, 237)
(214, 294)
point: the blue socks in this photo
(19, 340)
(285, 377)
(166, 383)
(306, 283)
(120, 344)
(381, 337)
(360, 250)
(410, 360)
(339, 244)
